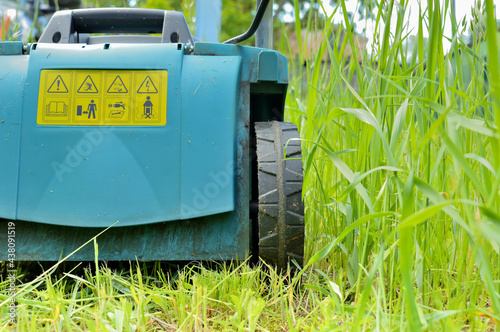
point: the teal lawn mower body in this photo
(154, 135)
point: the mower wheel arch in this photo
(280, 206)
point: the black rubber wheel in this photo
(280, 206)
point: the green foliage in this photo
(430, 114)
(236, 19)
(186, 7)
(223, 297)
(104, 3)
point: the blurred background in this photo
(219, 20)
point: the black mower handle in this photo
(67, 26)
(118, 20)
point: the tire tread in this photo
(281, 239)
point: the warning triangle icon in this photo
(147, 86)
(117, 86)
(58, 86)
(88, 86)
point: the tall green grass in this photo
(402, 151)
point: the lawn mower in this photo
(119, 117)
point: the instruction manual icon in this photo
(56, 108)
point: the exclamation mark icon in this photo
(58, 83)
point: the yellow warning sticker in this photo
(103, 97)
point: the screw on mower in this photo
(184, 153)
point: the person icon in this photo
(91, 109)
(148, 108)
